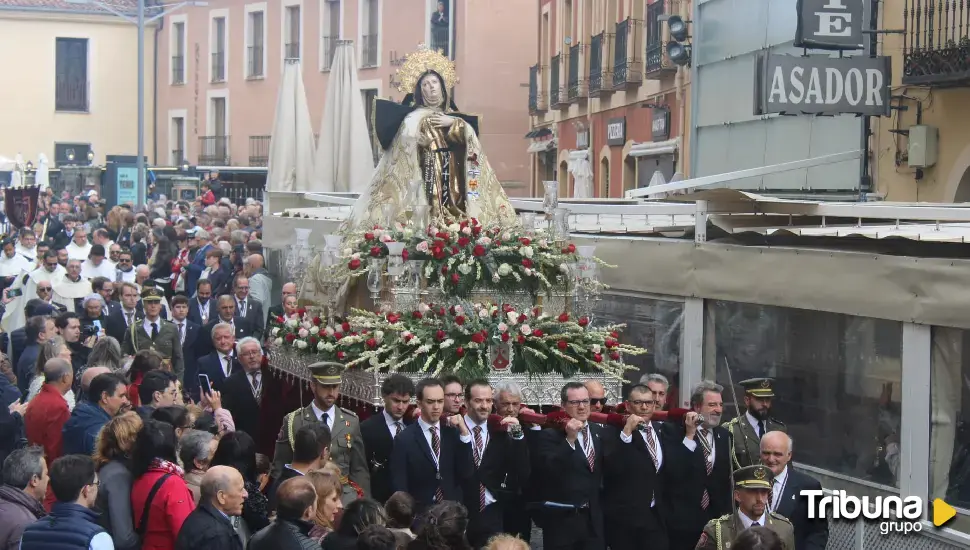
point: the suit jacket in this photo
(378, 444)
(194, 270)
(413, 467)
(211, 366)
(504, 469)
(112, 307)
(238, 398)
(746, 450)
(167, 343)
(688, 474)
(275, 311)
(253, 315)
(810, 534)
(192, 334)
(195, 315)
(630, 477)
(116, 326)
(204, 344)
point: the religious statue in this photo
(432, 155)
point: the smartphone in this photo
(97, 326)
(14, 292)
(204, 384)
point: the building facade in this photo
(603, 90)
(222, 64)
(71, 81)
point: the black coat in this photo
(504, 470)
(195, 315)
(284, 535)
(238, 398)
(631, 477)
(211, 366)
(207, 529)
(413, 466)
(378, 445)
(810, 534)
(253, 315)
(688, 473)
(191, 374)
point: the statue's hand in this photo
(442, 121)
(424, 140)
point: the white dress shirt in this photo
(222, 363)
(778, 488)
(331, 413)
(125, 313)
(691, 444)
(241, 307)
(392, 424)
(754, 422)
(489, 498)
(748, 522)
(148, 325)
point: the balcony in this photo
(178, 69)
(218, 66)
(254, 65)
(369, 53)
(259, 150)
(577, 86)
(292, 50)
(600, 75)
(554, 81)
(936, 43)
(329, 49)
(214, 151)
(658, 65)
(537, 99)
(627, 66)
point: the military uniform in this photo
(746, 449)
(166, 342)
(346, 443)
(720, 533)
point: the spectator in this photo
(158, 389)
(158, 520)
(72, 523)
(443, 527)
(376, 537)
(114, 446)
(311, 450)
(106, 398)
(329, 504)
(36, 332)
(400, 513)
(106, 353)
(196, 449)
(53, 347)
(296, 509)
(144, 362)
(46, 415)
(87, 377)
(24, 486)
(176, 416)
(237, 449)
(506, 542)
(263, 466)
(358, 515)
(223, 492)
(69, 327)
(758, 537)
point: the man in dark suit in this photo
(227, 314)
(501, 457)
(242, 392)
(104, 287)
(432, 457)
(189, 333)
(379, 432)
(200, 245)
(571, 464)
(786, 499)
(635, 468)
(248, 307)
(289, 289)
(118, 321)
(699, 469)
(202, 308)
(222, 362)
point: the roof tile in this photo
(65, 5)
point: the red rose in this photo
(404, 255)
(460, 351)
(301, 311)
(444, 270)
(354, 265)
(562, 345)
(460, 320)
(341, 355)
(525, 241)
(583, 321)
(477, 230)
(407, 337)
(521, 339)
(313, 341)
(368, 236)
(478, 338)
(565, 250)
(317, 321)
(451, 310)
(371, 343)
(345, 327)
(279, 318)
(454, 278)
(495, 314)
(614, 335)
(417, 315)
(290, 337)
(537, 333)
(610, 343)
(441, 311)
(479, 250)
(463, 241)
(526, 262)
(571, 248)
(505, 337)
(597, 357)
(505, 308)
(463, 224)
(438, 253)
(338, 335)
(522, 317)
(443, 236)
(615, 356)
(393, 318)
(375, 251)
(440, 335)
(454, 250)
(564, 318)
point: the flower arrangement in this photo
(460, 338)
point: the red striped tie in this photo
(591, 450)
(478, 463)
(439, 495)
(706, 498)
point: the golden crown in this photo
(421, 61)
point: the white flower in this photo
(300, 344)
(303, 333)
(328, 331)
(526, 251)
(406, 334)
(306, 324)
(374, 361)
(321, 346)
(465, 269)
(483, 313)
(525, 329)
(596, 348)
(408, 233)
(278, 341)
(292, 323)
(386, 238)
(528, 272)
(504, 269)
(314, 330)
(379, 335)
(454, 228)
(459, 310)
(484, 241)
(355, 256)
(423, 349)
(447, 343)
(276, 331)
(502, 327)
(466, 230)
(423, 308)
(543, 243)
(348, 251)
(513, 317)
(564, 268)
(422, 247)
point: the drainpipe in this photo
(158, 29)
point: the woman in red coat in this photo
(154, 463)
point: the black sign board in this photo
(660, 124)
(822, 85)
(829, 24)
(616, 131)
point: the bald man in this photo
(597, 395)
(289, 289)
(260, 283)
(296, 508)
(87, 377)
(209, 527)
(776, 452)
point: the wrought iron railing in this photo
(329, 49)
(627, 68)
(534, 89)
(178, 69)
(596, 64)
(218, 66)
(214, 151)
(255, 65)
(936, 42)
(293, 50)
(656, 61)
(370, 53)
(576, 83)
(554, 80)
(259, 150)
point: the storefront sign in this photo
(582, 139)
(829, 24)
(616, 131)
(127, 192)
(660, 124)
(822, 85)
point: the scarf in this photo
(167, 467)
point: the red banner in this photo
(20, 205)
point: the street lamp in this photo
(185, 166)
(90, 156)
(161, 10)
(70, 156)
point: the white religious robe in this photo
(75, 252)
(11, 267)
(66, 291)
(90, 271)
(124, 276)
(14, 317)
(29, 253)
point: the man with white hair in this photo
(210, 527)
(242, 392)
(518, 518)
(785, 498)
(659, 385)
(72, 288)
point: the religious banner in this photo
(20, 205)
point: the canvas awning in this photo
(655, 148)
(542, 146)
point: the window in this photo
(178, 141)
(71, 154)
(370, 53)
(837, 390)
(442, 32)
(71, 79)
(178, 53)
(950, 421)
(654, 324)
(218, 49)
(330, 32)
(292, 32)
(255, 45)
(369, 96)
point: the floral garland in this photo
(440, 339)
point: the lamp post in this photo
(161, 10)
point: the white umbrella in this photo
(17, 177)
(291, 144)
(42, 177)
(345, 160)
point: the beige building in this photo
(221, 65)
(931, 88)
(70, 81)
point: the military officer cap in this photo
(759, 387)
(151, 294)
(753, 477)
(326, 372)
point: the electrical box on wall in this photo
(923, 145)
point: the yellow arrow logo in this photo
(942, 512)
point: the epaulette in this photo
(776, 421)
(725, 517)
(348, 411)
(780, 517)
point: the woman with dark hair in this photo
(144, 361)
(155, 464)
(758, 538)
(442, 528)
(175, 416)
(139, 246)
(237, 449)
(357, 515)
(166, 250)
